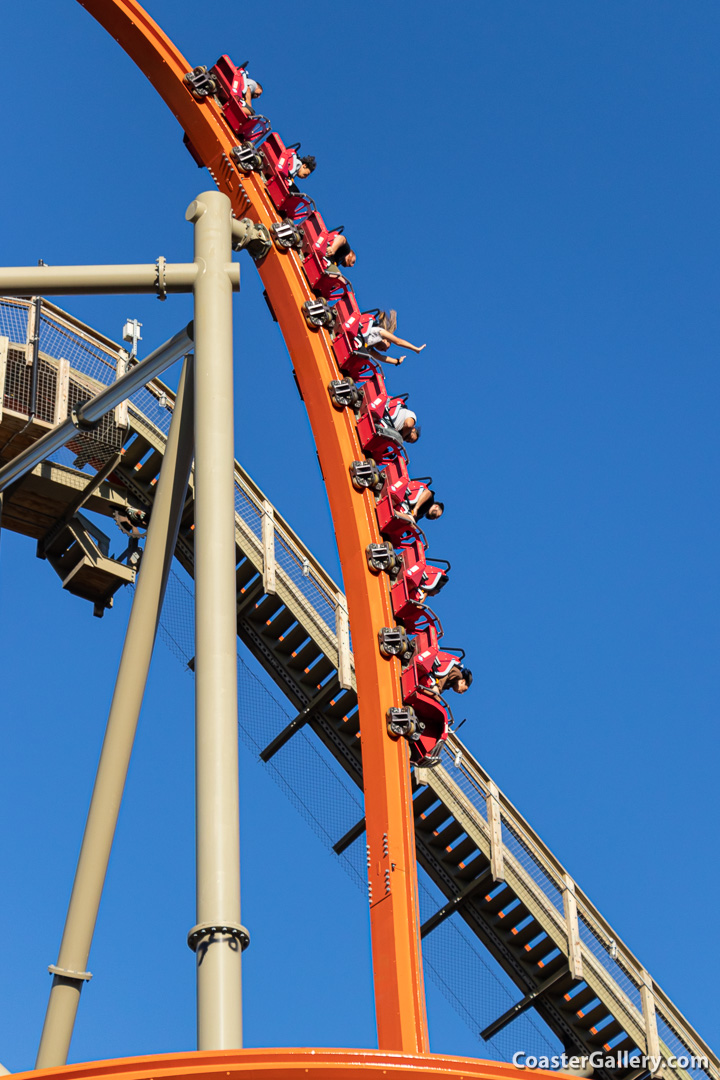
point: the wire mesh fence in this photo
(60, 340)
(687, 1055)
(605, 950)
(14, 319)
(516, 844)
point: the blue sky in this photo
(533, 186)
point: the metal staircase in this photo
(492, 868)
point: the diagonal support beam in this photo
(327, 693)
(456, 903)
(350, 837)
(521, 1006)
(70, 971)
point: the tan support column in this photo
(69, 973)
(218, 938)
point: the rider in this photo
(339, 252)
(448, 673)
(404, 420)
(375, 335)
(250, 89)
(299, 168)
(420, 502)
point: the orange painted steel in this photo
(287, 1064)
(397, 960)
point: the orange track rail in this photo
(289, 1064)
(397, 961)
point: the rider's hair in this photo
(387, 321)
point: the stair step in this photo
(351, 726)
(244, 572)
(533, 953)
(305, 656)
(423, 800)
(519, 939)
(552, 966)
(510, 917)
(265, 609)
(606, 1034)
(248, 596)
(279, 624)
(469, 870)
(592, 1017)
(558, 989)
(433, 821)
(629, 1045)
(460, 853)
(447, 836)
(149, 469)
(318, 672)
(134, 451)
(495, 903)
(579, 1000)
(342, 705)
(292, 640)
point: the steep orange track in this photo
(397, 962)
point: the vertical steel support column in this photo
(69, 973)
(218, 938)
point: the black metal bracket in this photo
(455, 904)
(350, 837)
(227, 929)
(521, 1006)
(326, 694)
